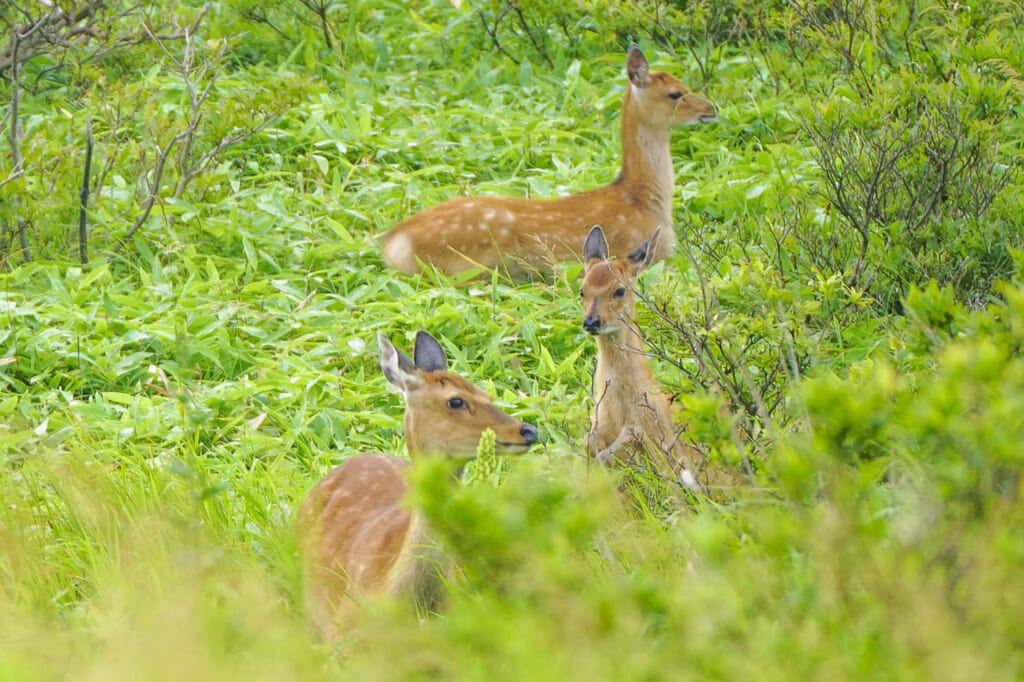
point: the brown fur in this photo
(356, 535)
(524, 234)
(631, 413)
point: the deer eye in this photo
(581, 293)
(675, 95)
(456, 403)
(620, 292)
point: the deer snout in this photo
(592, 324)
(710, 115)
(529, 433)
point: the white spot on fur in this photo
(489, 214)
(398, 252)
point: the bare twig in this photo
(152, 193)
(493, 32)
(320, 9)
(40, 33)
(12, 177)
(702, 61)
(131, 39)
(198, 167)
(14, 132)
(529, 34)
(83, 198)
(14, 136)
(258, 15)
(113, 140)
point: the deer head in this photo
(444, 413)
(608, 289)
(663, 100)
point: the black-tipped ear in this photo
(595, 246)
(640, 257)
(428, 354)
(636, 66)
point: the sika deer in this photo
(524, 234)
(356, 535)
(631, 414)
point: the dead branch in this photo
(14, 138)
(39, 33)
(152, 193)
(83, 198)
(493, 32)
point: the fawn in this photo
(631, 413)
(357, 537)
(528, 234)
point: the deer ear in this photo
(428, 354)
(397, 368)
(595, 245)
(636, 67)
(641, 257)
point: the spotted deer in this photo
(529, 234)
(631, 413)
(357, 536)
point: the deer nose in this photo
(529, 433)
(592, 324)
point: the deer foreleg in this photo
(629, 436)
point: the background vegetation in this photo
(186, 338)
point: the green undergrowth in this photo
(165, 407)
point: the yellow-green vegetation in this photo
(843, 324)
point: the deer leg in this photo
(630, 435)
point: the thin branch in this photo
(129, 40)
(529, 34)
(258, 15)
(83, 198)
(200, 166)
(493, 32)
(14, 137)
(13, 131)
(12, 177)
(38, 35)
(154, 187)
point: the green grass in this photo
(164, 410)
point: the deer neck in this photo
(418, 450)
(647, 173)
(412, 444)
(621, 358)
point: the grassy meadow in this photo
(843, 325)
